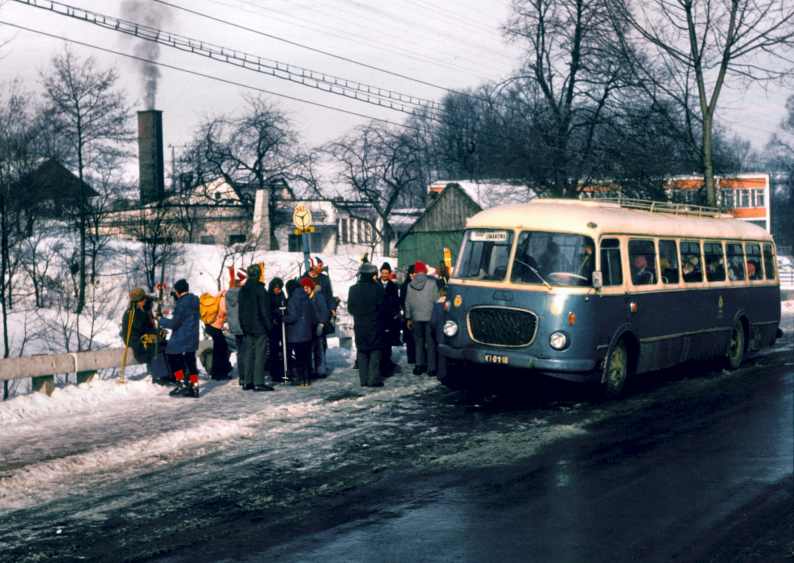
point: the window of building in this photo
(727, 198)
(611, 268)
(735, 254)
(752, 251)
(235, 239)
(744, 198)
(691, 264)
(207, 239)
(769, 261)
(668, 261)
(294, 243)
(759, 198)
(344, 235)
(642, 259)
(715, 261)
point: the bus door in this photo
(612, 300)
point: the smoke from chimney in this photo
(153, 15)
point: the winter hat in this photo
(368, 269)
(181, 286)
(319, 262)
(275, 282)
(307, 282)
(386, 266)
(253, 271)
(137, 294)
(420, 267)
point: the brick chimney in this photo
(151, 167)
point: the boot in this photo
(179, 390)
(193, 386)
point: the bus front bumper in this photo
(573, 369)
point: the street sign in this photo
(302, 217)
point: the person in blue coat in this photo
(300, 322)
(183, 343)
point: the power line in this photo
(203, 75)
(374, 95)
(304, 46)
(344, 35)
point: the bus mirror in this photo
(598, 280)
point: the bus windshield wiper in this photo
(534, 271)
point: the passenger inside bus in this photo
(586, 262)
(640, 273)
(753, 270)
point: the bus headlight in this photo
(450, 328)
(558, 340)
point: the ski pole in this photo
(130, 317)
(284, 344)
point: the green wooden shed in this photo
(441, 225)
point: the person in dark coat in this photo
(138, 329)
(257, 324)
(300, 322)
(391, 314)
(183, 343)
(278, 308)
(322, 316)
(365, 303)
(233, 319)
(408, 335)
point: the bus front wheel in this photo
(616, 371)
(734, 355)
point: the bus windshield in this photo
(554, 258)
(485, 255)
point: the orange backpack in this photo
(209, 305)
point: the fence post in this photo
(45, 383)
(85, 376)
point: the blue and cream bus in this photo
(596, 291)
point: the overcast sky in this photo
(452, 43)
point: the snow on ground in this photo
(53, 329)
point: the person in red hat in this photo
(236, 280)
(421, 296)
(300, 322)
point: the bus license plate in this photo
(496, 359)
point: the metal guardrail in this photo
(35, 366)
(786, 279)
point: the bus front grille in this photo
(502, 326)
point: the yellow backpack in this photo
(209, 305)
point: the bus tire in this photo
(734, 354)
(616, 370)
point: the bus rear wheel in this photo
(734, 355)
(616, 371)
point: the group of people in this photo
(280, 330)
(382, 310)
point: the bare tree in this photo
(255, 150)
(85, 109)
(698, 45)
(380, 166)
(18, 156)
(570, 76)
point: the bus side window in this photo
(668, 261)
(690, 261)
(611, 270)
(735, 261)
(769, 261)
(715, 261)
(642, 257)
(753, 252)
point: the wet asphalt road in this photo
(688, 467)
(687, 478)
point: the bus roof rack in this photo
(666, 207)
